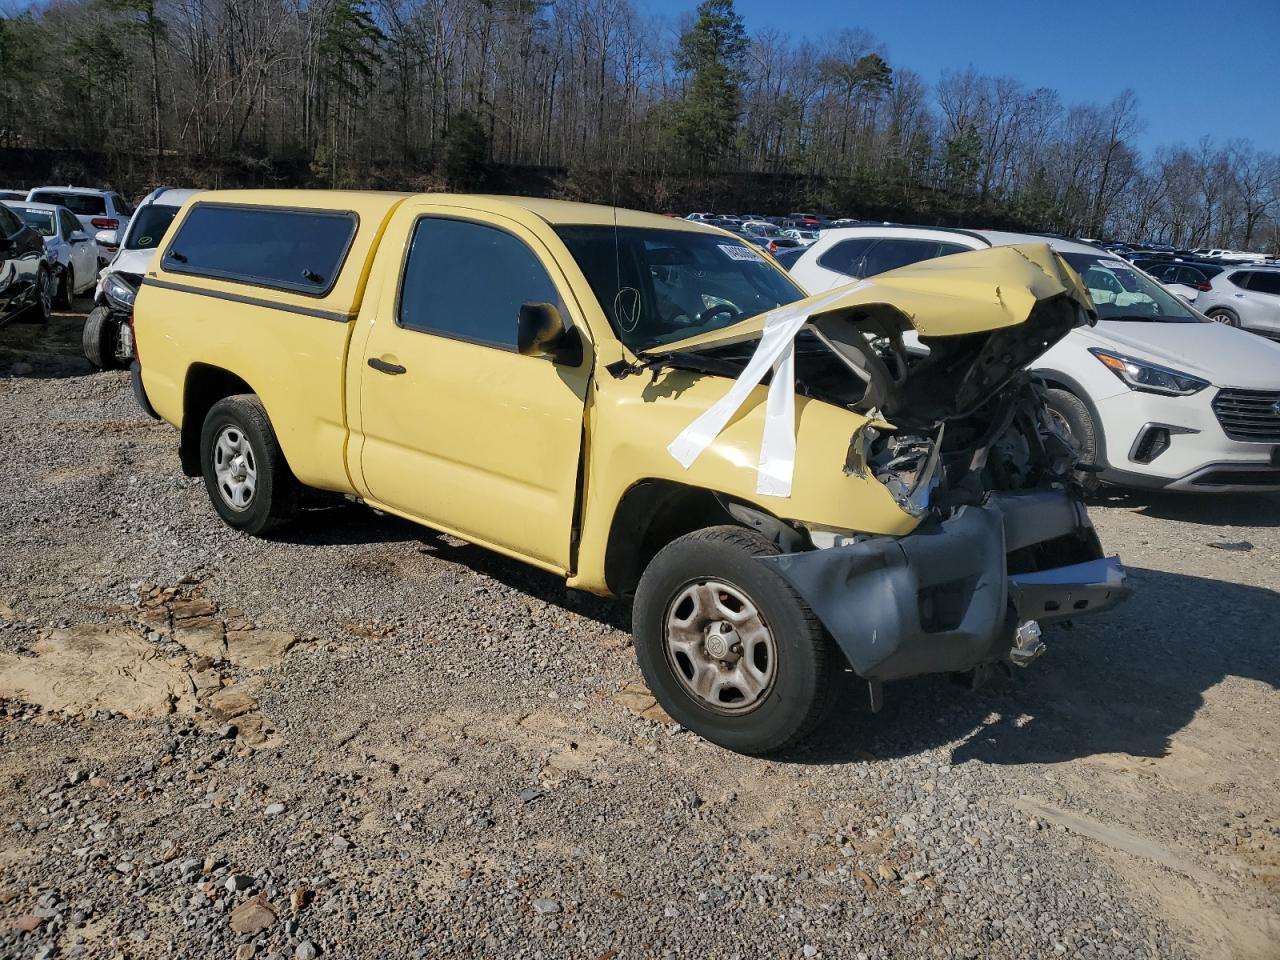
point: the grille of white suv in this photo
(1252, 415)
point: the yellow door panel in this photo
(470, 436)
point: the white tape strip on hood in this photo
(776, 352)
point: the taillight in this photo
(1203, 287)
(105, 223)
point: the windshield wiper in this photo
(1138, 318)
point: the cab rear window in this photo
(296, 250)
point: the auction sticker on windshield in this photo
(736, 252)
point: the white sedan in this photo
(72, 253)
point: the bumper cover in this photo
(940, 599)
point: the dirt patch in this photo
(174, 657)
(89, 667)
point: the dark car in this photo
(25, 282)
(1193, 274)
(789, 257)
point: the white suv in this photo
(97, 210)
(1245, 296)
(1155, 395)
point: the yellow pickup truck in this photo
(788, 487)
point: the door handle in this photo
(382, 366)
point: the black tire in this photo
(1223, 315)
(1075, 416)
(65, 295)
(42, 309)
(98, 341)
(803, 676)
(275, 494)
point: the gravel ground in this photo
(367, 740)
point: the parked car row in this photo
(55, 241)
(772, 233)
(1153, 395)
(93, 241)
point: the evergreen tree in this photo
(712, 50)
(465, 159)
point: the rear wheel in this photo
(40, 311)
(1223, 315)
(66, 288)
(727, 647)
(245, 472)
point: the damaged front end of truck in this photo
(956, 429)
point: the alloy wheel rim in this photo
(1060, 422)
(235, 468)
(719, 647)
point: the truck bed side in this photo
(201, 338)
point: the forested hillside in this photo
(591, 99)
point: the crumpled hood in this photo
(129, 261)
(948, 296)
(1225, 356)
(983, 315)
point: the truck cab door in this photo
(455, 428)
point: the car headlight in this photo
(118, 292)
(1149, 377)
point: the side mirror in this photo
(78, 236)
(108, 238)
(541, 333)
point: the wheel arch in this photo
(204, 386)
(654, 512)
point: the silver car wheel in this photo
(719, 647)
(235, 467)
(45, 294)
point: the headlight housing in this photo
(119, 293)
(1149, 377)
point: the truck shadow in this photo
(343, 523)
(1123, 683)
(1227, 510)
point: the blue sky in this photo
(1197, 67)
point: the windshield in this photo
(41, 221)
(147, 228)
(1122, 293)
(659, 286)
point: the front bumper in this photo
(1200, 457)
(940, 599)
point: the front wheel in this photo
(245, 472)
(1072, 418)
(727, 647)
(98, 340)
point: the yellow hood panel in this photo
(947, 296)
